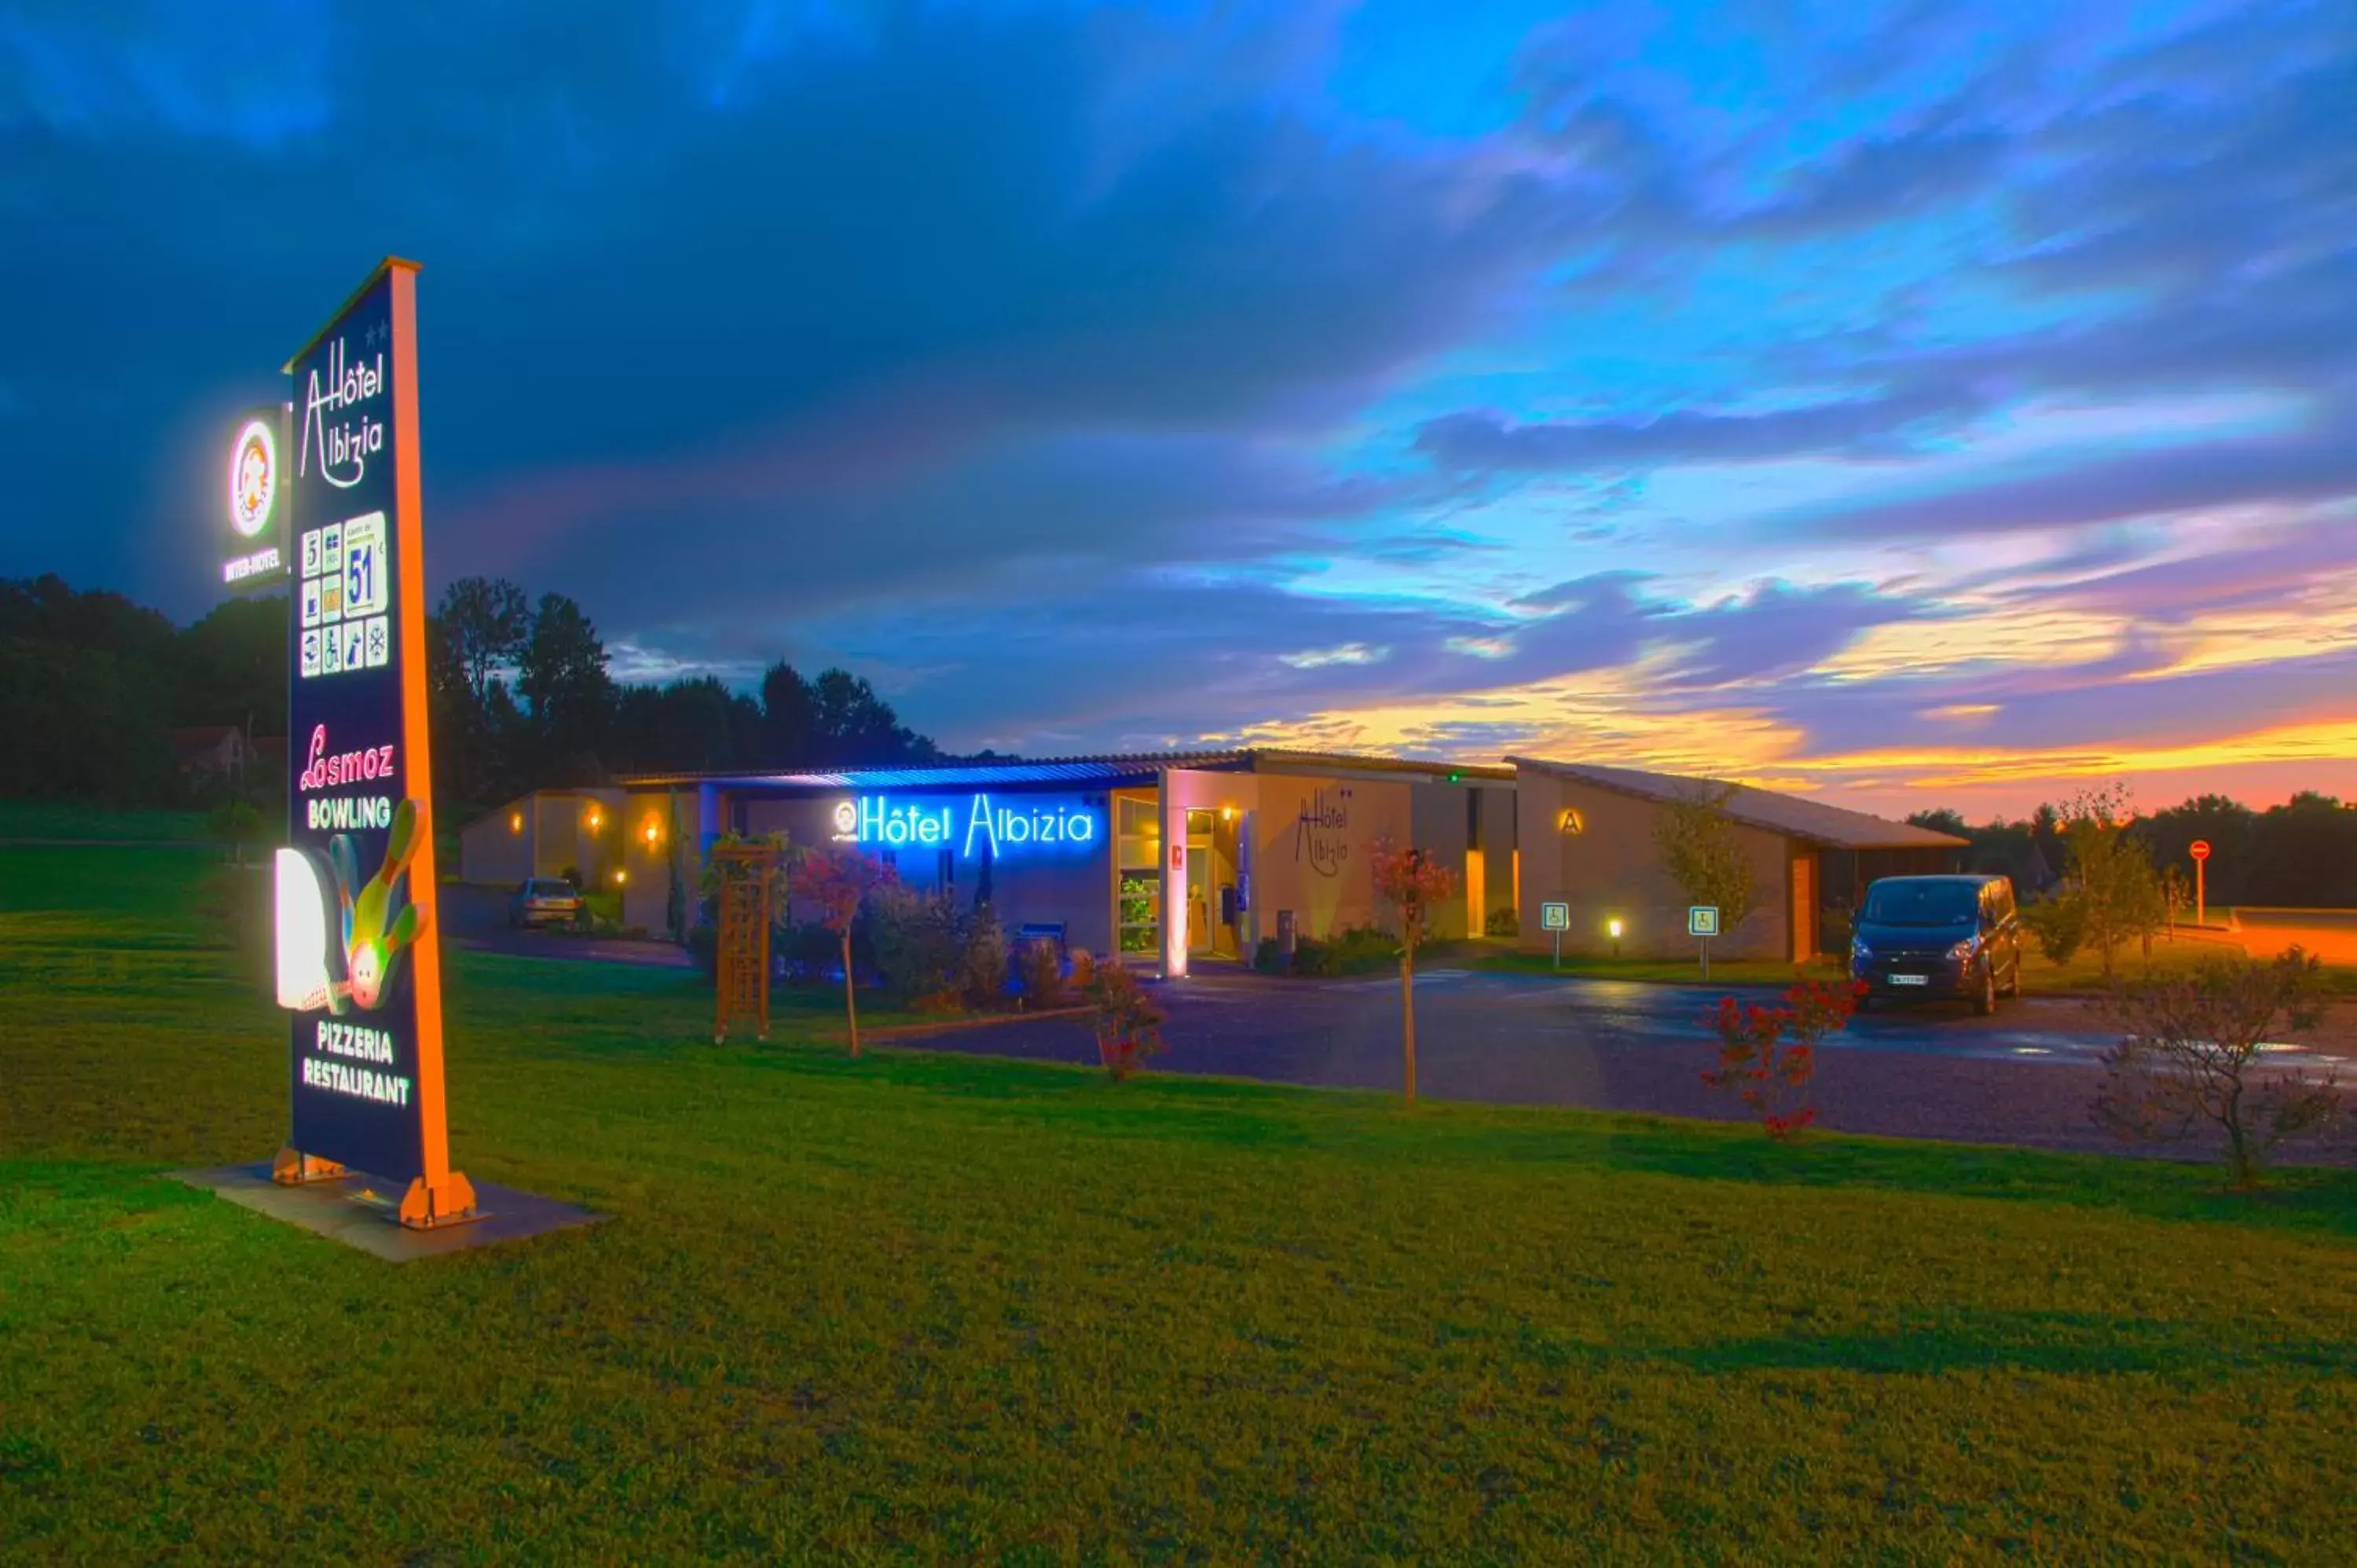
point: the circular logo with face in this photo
(252, 478)
(846, 816)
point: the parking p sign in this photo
(1555, 917)
(1702, 920)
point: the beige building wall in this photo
(1311, 841)
(1611, 868)
(496, 848)
(647, 862)
(544, 834)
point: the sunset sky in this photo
(1919, 404)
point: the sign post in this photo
(359, 962)
(1555, 917)
(2201, 853)
(1702, 920)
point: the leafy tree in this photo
(1703, 856)
(488, 624)
(1415, 885)
(82, 722)
(1943, 821)
(2304, 855)
(696, 725)
(2226, 825)
(48, 609)
(789, 717)
(2112, 883)
(563, 676)
(229, 667)
(2190, 1053)
(839, 881)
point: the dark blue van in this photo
(1953, 938)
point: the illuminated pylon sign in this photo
(359, 959)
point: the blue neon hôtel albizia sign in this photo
(1005, 828)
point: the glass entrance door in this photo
(1202, 891)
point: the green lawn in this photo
(926, 1308)
(76, 819)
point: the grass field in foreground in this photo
(81, 819)
(926, 1308)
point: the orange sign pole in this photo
(440, 1194)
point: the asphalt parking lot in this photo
(1931, 1070)
(476, 917)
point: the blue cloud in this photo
(946, 337)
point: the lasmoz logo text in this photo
(324, 769)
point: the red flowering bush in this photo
(1128, 1022)
(1772, 1075)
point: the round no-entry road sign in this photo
(2200, 850)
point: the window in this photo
(1137, 872)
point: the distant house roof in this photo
(1107, 769)
(216, 747)
(1831, 827)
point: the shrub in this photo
(919, 950)
(1267, 958)
(1775, 1080)
(238, 823)
(1503, 923)
(983, 973)
(1040, 970)
(1362, 950)
(2058, 925)
(811, 951)
(2189, 1049)
(1127, 1022)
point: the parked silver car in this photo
(544, 901)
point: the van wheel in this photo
(1984, 998)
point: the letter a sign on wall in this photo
(359, 951)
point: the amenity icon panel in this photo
(343, 598)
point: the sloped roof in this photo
(1831, 827)
(1105, 768)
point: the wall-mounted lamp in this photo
(1613, 925)
(597, 819)
(653, 832)
(516, 822)
(1571, 821)
(620, 876)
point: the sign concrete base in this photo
(361, 1212)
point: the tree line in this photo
(522, 692)
(524, 697)
(2300, 854)
(92, 686)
